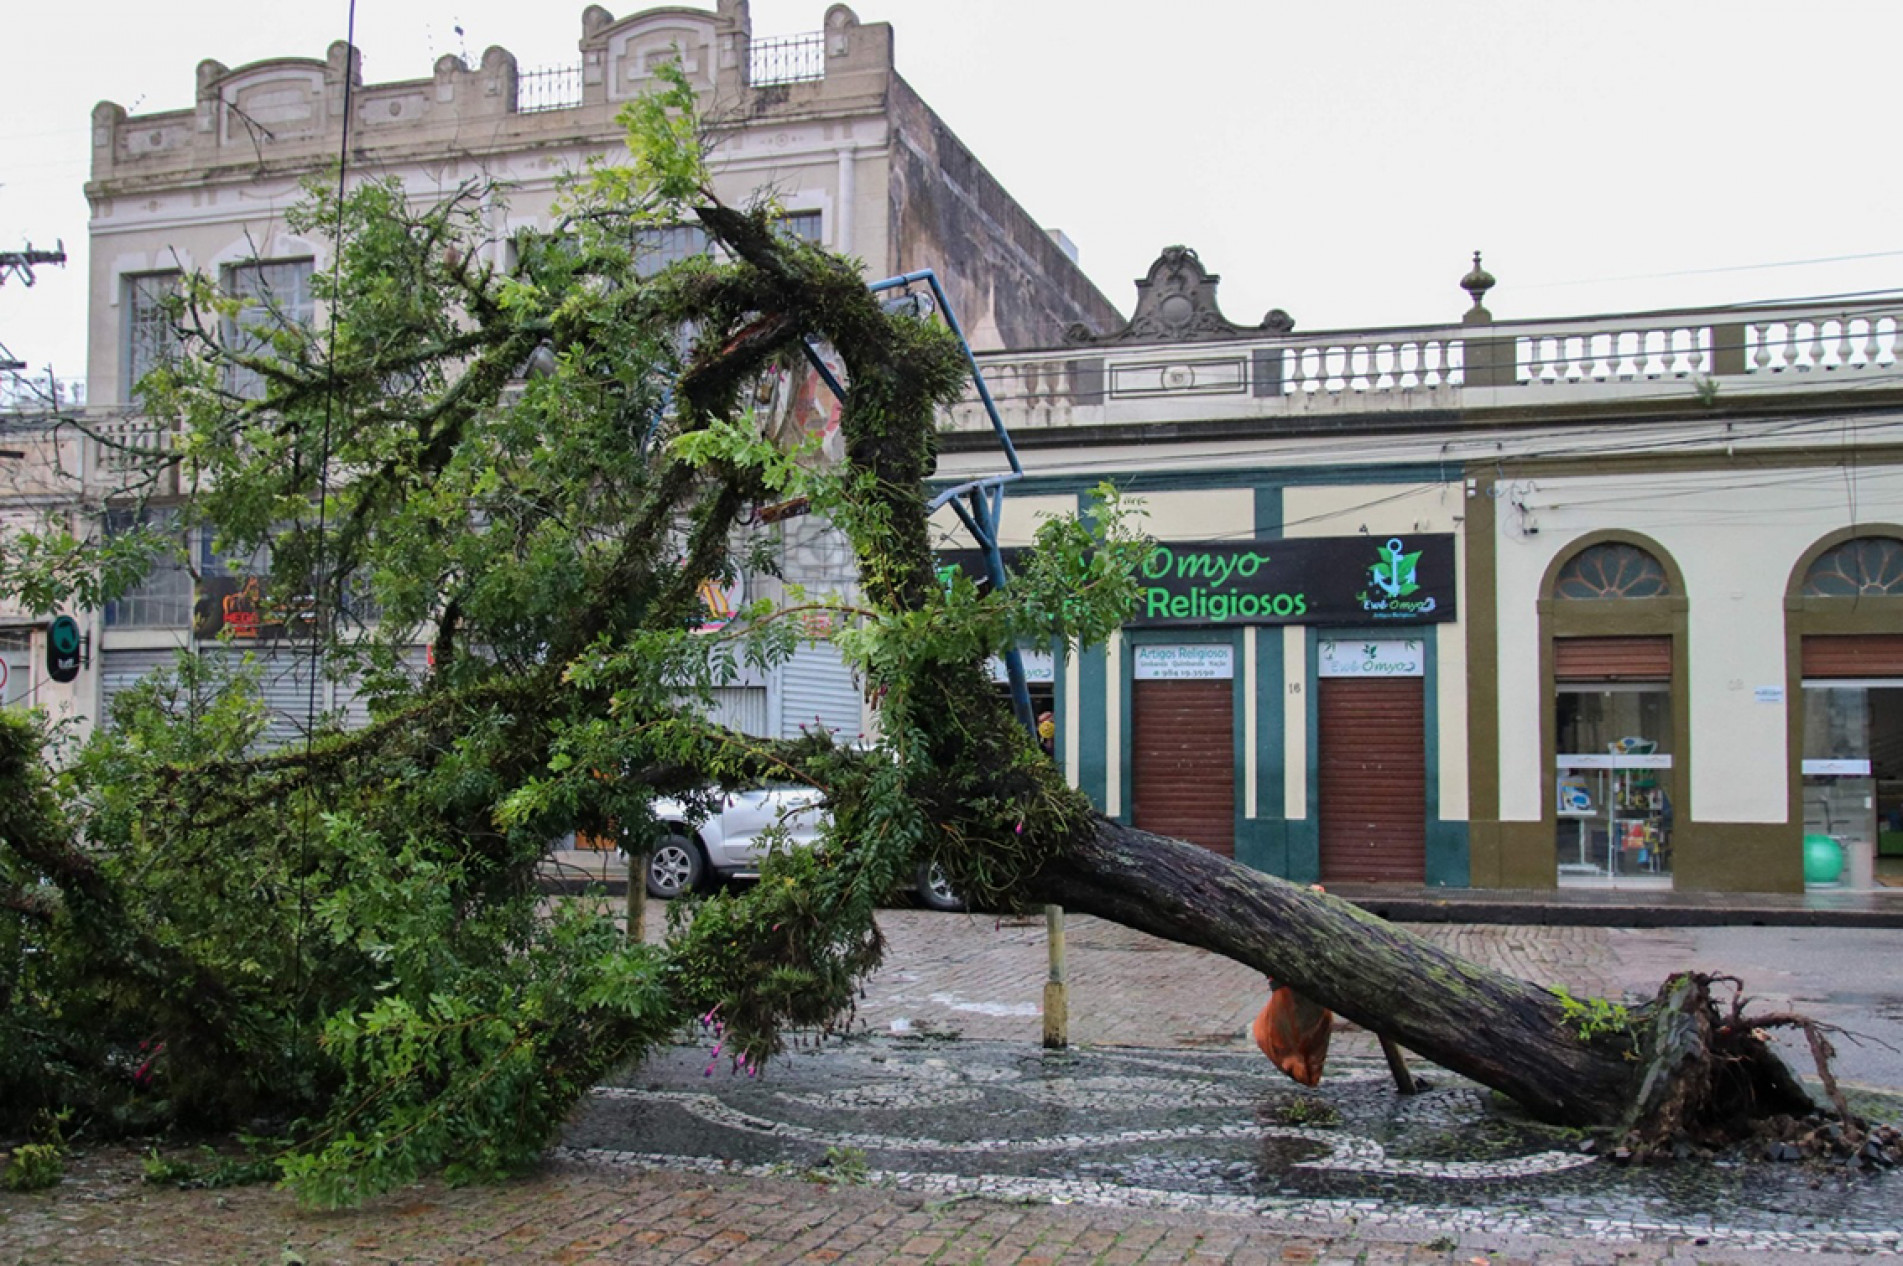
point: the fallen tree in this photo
(1674, 1067)
(545, 465)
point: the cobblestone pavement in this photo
(574, 1213)
(1209, 1132)
(1144, 1015)
(983, 977)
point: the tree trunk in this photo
(1676, 1068)
(1502, 1032)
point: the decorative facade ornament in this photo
(1476, 283)
(1176, 303)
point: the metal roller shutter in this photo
(356, 708)
(1183, 764)
(120, 670)
(741, 708)
(1854, 655)
(816, 687)
(284, 684)
(1612, 659)
(1373, 775)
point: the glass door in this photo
(1614, 792)
(1853, 771)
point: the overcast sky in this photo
(1339, 159)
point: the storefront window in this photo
(1853, 766)
(1615, 791)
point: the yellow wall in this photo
(1736, 542)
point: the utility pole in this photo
(20, 263)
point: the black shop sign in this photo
(1303, 580)
(1326, 580)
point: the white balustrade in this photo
(1613, 353)
(128, 444)
(1808, 343)
(1268, 375)
(1375, 364)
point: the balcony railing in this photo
(40, 393)
(548, 88)
(1524, 363)
(788, 59)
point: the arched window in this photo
(1861, 567)
(1612, 570)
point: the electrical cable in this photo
(1596, 441)
(1707, 272)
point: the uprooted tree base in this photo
(1709, 1078)
(1682, 1071)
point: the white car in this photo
(733, 842)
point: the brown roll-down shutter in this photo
(1612, 659)
(1183, 763)
(1373, 776)
(1854, 655)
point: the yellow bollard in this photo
(1056, 1002)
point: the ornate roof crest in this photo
(1177, 303)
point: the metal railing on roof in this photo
(548, 88)
(31, 393)
(787, 59)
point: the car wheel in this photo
(934, 890)
(674, 867)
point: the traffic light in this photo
(62, 648)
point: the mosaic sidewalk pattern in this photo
(1210, 1131)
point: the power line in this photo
(1707, 272)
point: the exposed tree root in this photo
(1713, 1079)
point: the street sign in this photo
(62, 648)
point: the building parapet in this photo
(287, 113)
(1697, 359)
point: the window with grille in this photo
(151, 339)
(804, 225)
(164, 598)
(1864, 567)
(1612, 570)
(656, 248)
(277, 297)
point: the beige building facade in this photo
(1667, 552)
(822, 121)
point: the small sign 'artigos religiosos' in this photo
(1313, 580)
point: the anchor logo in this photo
(1394, 575)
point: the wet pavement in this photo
(1162, 1101)
(1211, 1132)
(941, 1132)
